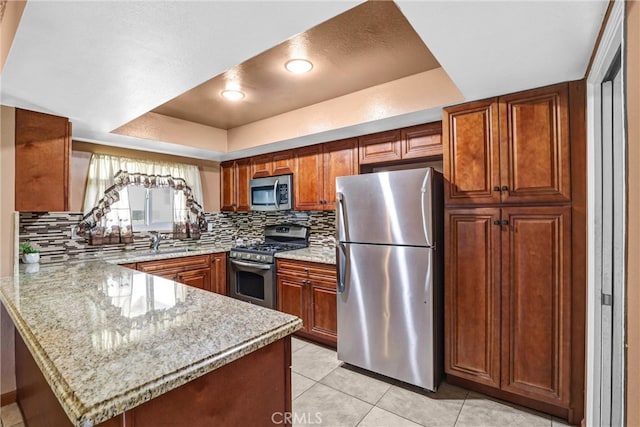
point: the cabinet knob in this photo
(496, 222)
(496, 188)
(505, 222)
(504, 188)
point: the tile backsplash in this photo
(52, 232)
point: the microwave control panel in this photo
(283, 194)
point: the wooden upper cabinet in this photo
(228, 192)
(340, 159)
(380, 147)
(534, 145)
(280, 163)
(261, 166)
(234, 185)
(421, 141)
(471, 153)
(42, 158)
(472, 295)
(536, 303)
(511, 149)
(316, 170)
(308, 178)
(243, 176)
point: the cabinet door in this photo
(472, 295)
(536, 303)
(228, 194)
(200, 279)
(283, 162)
(422, 141)
(261, 166)
(219, 273)
(380, 147)
(534, 146)
(471, 153)
(307, 181)
(291, 298)
(340, 159)
(243, 176)
(42, 157)
(323, 310)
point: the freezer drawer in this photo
(386, 312)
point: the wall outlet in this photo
(209, 226)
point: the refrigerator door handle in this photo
(342, 217)
(342, 267)
(427, 209)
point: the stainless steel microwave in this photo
(273, 193)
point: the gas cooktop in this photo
(278, 238)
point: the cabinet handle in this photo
(496, 188)
(496, 222)
(504, 188)
(505, 222)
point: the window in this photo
(151, 208)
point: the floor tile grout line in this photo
(365, 415)
(466, 396)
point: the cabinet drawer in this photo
(180, 264)
(319, 271)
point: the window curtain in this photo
(106, 196)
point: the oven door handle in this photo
(251, 265)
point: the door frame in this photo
(612, 41)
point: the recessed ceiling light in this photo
(232, 95)
(298, 66)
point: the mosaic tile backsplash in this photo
(52, 232)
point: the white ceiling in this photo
(104, 63)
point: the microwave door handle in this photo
(275, 193)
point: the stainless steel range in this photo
(252, 268)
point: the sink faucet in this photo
(155, 240)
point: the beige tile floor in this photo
(329, 394)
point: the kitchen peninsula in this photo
(100, 344)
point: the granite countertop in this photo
(312, 254)
(108, 338)
(165, 252)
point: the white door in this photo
(610, 239)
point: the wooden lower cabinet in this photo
(245, 392)
(508, 303)
(200, 278)
(219, 273)
(308, 290)
(208, 272)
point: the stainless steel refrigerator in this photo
(390, 269)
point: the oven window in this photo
(250, 284)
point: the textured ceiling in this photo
(368, 45)
(105, 63)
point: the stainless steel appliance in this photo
(390, 268)
(272, 193)
(252, 268)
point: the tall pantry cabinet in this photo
(515, 247)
